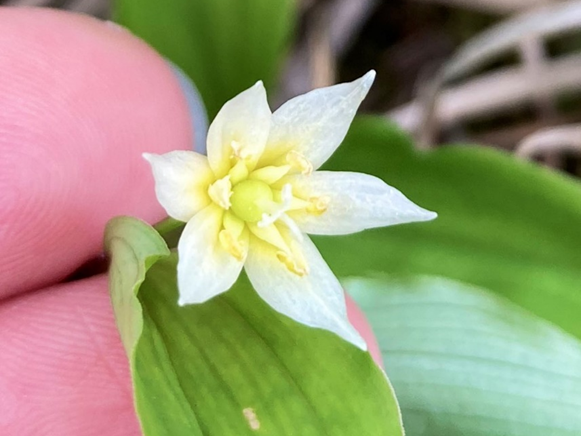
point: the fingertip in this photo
(359, 321)
(81, 101)
(63, 366)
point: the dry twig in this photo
(494, 6)
(538, 81)
(553, 140)
(494, 92)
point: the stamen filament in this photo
(270, 174)
(292, 226)
(287, 195)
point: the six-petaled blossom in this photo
(250, 203)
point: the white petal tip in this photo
(186, 302)
(148, 156)
(353, 337)
(418, 214)
(258, 85)
(369, 77)
(363, 84)
(427, 215)
(361, 344)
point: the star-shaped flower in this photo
(250, 203)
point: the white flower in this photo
(250, 202)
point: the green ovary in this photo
(249, 199)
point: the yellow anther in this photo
(299, 162)
(220, 192)
(231, 244)
(270, 174)
(238, 150)
(292, 263)
(318, 205)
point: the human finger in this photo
(63, 370)
(79, 102)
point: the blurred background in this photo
(475, 114)
(499, 73)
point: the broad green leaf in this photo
(508, 226)
(465, 362)
(127, 271)
(225, 46)
(233, 366)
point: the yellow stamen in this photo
(295, 203)
(318, 205)
(220, 192)
(286, 198)
(239, 172)
(299, 162)
(270, 174)
(231, 244)
(238, 150)
(293, 264)
(269, 234)
(233, 224)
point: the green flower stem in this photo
(168, 225)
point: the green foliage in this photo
(128, 270)
(225, 46)
(464, 361)
(233, 366)
(504, 225)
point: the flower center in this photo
(249, 200)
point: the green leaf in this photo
(233, 366)
(504, 225)
(225, 46)
(464, 361)
(127, 271)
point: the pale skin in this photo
(80, 101)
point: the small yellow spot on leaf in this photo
(251, 417)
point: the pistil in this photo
(249, 199)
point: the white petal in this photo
(355, 202)
(242, 127)
(316, 299)
(205, 269)
(315, 124)
(181, 182)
